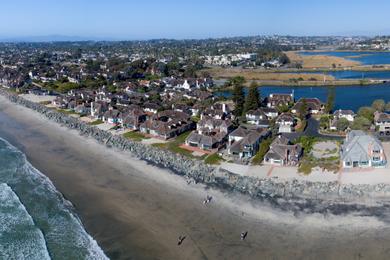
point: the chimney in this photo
(92, 109)
(370, 152)
(224, 108)
(286, 156)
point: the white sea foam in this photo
(20, 238)
(64, 230)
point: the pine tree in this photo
(252, 100)
(238, 99)
(302, 111)
(330, 101)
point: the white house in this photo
(257, 117)
(347, 114)
(285, 122)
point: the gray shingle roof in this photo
(358, 146)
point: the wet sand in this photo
(137, 211)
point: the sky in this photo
(180, 19)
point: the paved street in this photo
(312, 129)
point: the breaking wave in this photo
(36, 222)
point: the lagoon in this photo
(351, 74)
(365, 57)
(347, 97)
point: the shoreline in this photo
(139, 210)
(211, 176)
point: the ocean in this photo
(36, 221)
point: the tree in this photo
(342, 124)
(361, 123)
(330, 100)
(263, 149)
(302, 111)
(155, 97)
(284, 59)
(379, 105)
(112, 88)
(238, 99)
(238, 80)
(283, 108)
(324, 122)
(366, 112)
(252, 100)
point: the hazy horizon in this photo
(77, 38)
(174, 19)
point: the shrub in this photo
(263, 149)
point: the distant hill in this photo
(53, 38)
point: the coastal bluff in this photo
(212, 176)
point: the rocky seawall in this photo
(209, 175)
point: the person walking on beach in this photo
(243, 235)
(207, 200)
(180, 240)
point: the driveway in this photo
(312, 129)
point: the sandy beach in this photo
(137, 211)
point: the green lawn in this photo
(174, 145)
(171, 146)
(135, 136)
(181, 138)
(68, 112)
(96, 122)
(213, 159)
(161, 145)
(45, 103)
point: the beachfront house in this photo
(283, 153)
(244, 142)
(210, 133)
(112, 116)
(133, 117)
(361, 150)
(98, 108)
(60, 102)
(167, 124)
(83, 109)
